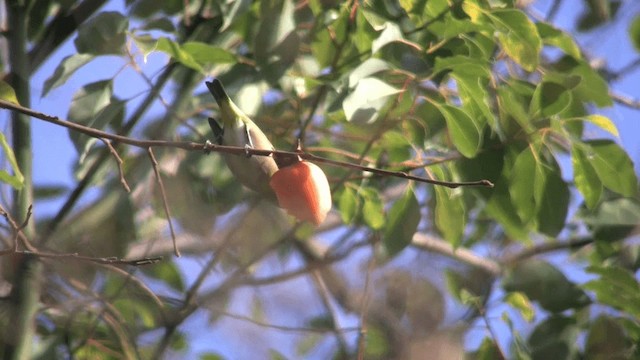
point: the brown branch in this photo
(119, 161)
(230, 149)
(165, 205)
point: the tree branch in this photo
(230, 149)
(466, 256)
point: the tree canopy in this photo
(527, 249)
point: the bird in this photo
(254, 172)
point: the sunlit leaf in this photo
(603, 122)
(363, 104)
(207, 54)
(391, 33)
(17, 179)
(520, 302)
(175, 51)
(7, 93)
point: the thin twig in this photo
(546, 247)
(165, 205)
(231, 149)
(98, 260)
(625, 100)
(119, 161)
(17, 230)
(287, 328)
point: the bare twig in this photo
(119, 161)
(17, 230)
(231, 149)
(165, 205)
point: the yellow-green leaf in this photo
(604, 123)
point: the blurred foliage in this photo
(454, 90)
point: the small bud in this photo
(303, 190)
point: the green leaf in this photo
(542, 282)
(378, 344)
(404, 217)
(103, 34)
(206, 54)
(593, 88)
(614, 212)
(362, 105)
(555, 338)
(65, 69)
(518, 36)
(613, 166)
(634, 32)
(88, 103)
(549, 99)
(559, 39)
(175, 51)
(210, 356)
(585, 177)
(373, 212)
(7, 93)
(17, 179)
(522, 185)
(277, 22)
(538, 192)
(348, 203)
(234, 12)
(449, 213)
(472, 79)
(464, 132)
(552, 199)
(501, 208)
(614, 282)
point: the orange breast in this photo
(303, 190)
